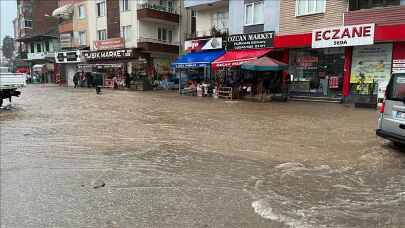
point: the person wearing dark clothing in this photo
(127, 79)
(98, 81)
(89, 79)
(76, 79)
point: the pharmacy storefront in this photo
(320, 70)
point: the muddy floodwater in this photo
(71, 158)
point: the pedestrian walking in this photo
(98, 81)
(89, 79)
(127, 79)
(76, 79)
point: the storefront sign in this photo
(398, 55)
(203, 44)
(40, 55)
(371, 64)
(353, 35)
(250, 41)
(65, 40)
(113, 43)
(109, 54)
(68, 57)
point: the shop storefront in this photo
(316, 72)
(114, 63)
(193, 70)
(68, 62)
(234, 81)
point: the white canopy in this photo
(63, 11)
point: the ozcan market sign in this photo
(353, 35)
(250, 40)
(109, 54)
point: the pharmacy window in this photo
(307, 7)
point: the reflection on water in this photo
(204, 162)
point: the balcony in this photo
(389, 15)
(157, 13)
(66, 26)
(204, 4)
(214, 32)
(154, 45)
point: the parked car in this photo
(391, 123)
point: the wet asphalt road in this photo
(70, 158)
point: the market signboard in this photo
(250, 40)
(203, 44)
(353, 35)
(113, 43)
(371, 64)
(68, 57)
(109, 54)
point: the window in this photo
(46, 45)
(126, 32)
(193, 21)
(39, 48)
(306, 7)
(367, 4)
(124, 5)
(101, 34)
(32, 48)
(27, 23)
(396, 88)
(170, 36)
(220, 20)
(82, 12)
(254, 13)
(100, 9)
(82, 38)
(165, 35)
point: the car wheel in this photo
(399, 145)
(1, 102)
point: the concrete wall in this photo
(130, 18)
(291, 24)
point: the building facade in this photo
(340, 49)
(147, 31)
(37, 37)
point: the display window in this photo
(316, 72)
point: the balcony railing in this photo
(208, 33)
(156, 41)
(157, 7)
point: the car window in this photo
(397, 90)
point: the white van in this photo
(391, 123)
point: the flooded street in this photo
(70, 158)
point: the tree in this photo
(8, 47)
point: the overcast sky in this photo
(8, 12)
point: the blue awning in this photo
(197, 59)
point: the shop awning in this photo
(22, 70)
(264, 64)
(197, 59)
(237, 57)
(63, 11)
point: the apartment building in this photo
(73, 18)
(138, 36)
(37, 38)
